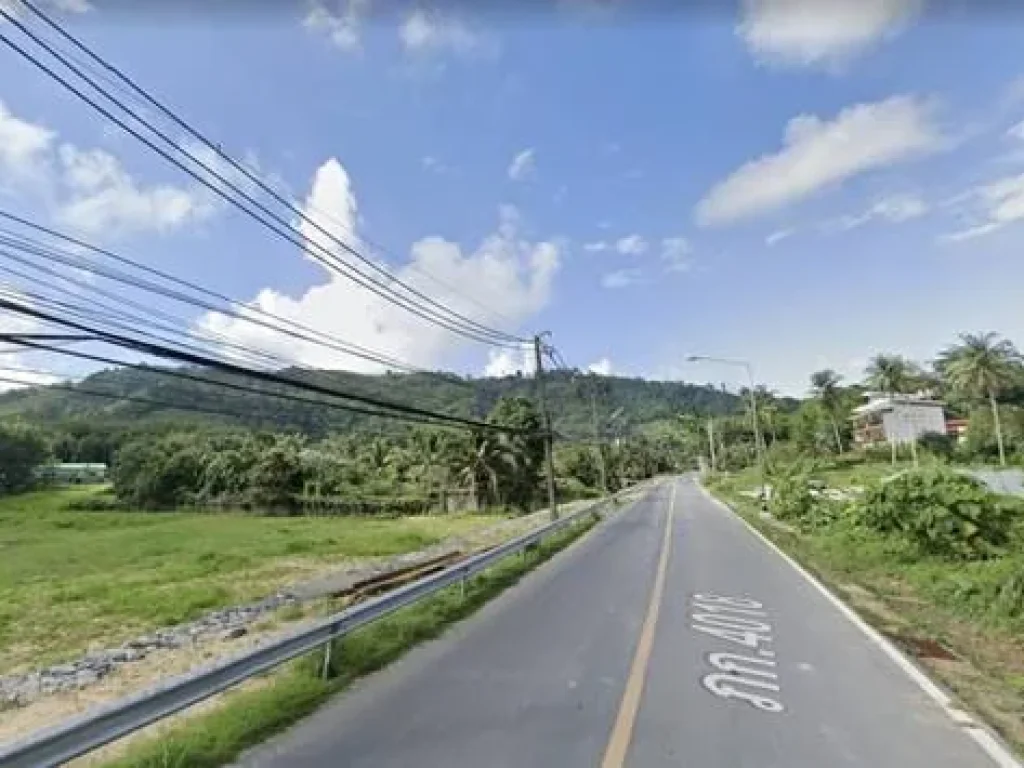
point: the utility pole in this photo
(759, 448)
(546, 416)
(598, 443)
(711, 442)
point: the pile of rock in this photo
(226, 624)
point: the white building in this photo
(897, 419)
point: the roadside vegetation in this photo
(906, 533)
(249, 717)
(208, 517)
(199, 515)
(71, 578)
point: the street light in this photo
(758, 442)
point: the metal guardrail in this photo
(109, 722)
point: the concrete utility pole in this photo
(758, 442)
(711, 442)
(546, 416)
(598, 443)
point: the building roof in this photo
(879, 404)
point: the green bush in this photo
(937, 444)
(939, 512)
(793, 499)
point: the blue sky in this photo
(800, 184)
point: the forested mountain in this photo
(147, 398)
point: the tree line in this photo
(979, 378)
(417, 470)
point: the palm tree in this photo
(981, 366)
(480, 463)
(891, 374)
(825, 387)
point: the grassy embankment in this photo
(71, 578)
(248, 717)
(926, 604)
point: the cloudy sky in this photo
(800, 183)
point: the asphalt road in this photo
(658, 640)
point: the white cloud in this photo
(622, 278)
(429, 31)
(523, 165)
(433, 164)
(895, 209)
(900, 208)
(992, 207)
(342, 26)
(64, 6)
(1017, 131)
(676, 253)
(508, 362)
(101, 198)
(820, 32)
(818, 153)
(631, 245)
(26, 378)
(778, 236)
(89, 189)
(602, 367)
(71, 6)
(597, 246)
(505, 276)
(24, 148)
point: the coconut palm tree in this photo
(982, 366)
(825, 387)
(481, 461)
(891, 374)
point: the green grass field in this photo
(249, 717)
(69, 579)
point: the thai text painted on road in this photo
(743, 676)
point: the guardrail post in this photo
(325, 672)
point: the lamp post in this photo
(758, 442)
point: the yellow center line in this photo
(622, 731)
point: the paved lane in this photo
(742, 662)
(814, 691)
(533, 679)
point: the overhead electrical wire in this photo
(253, 314)
(137, 321)
(236, 387)
(436, 312)
(393, 409)
(79, 390)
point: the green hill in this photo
(642, 402)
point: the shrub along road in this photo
(671, 635)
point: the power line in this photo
(252, 314)
(456, 322)
(78, 389)
(184, 375)
(397, 410)
(108, 311)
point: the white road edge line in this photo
(988, 741)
